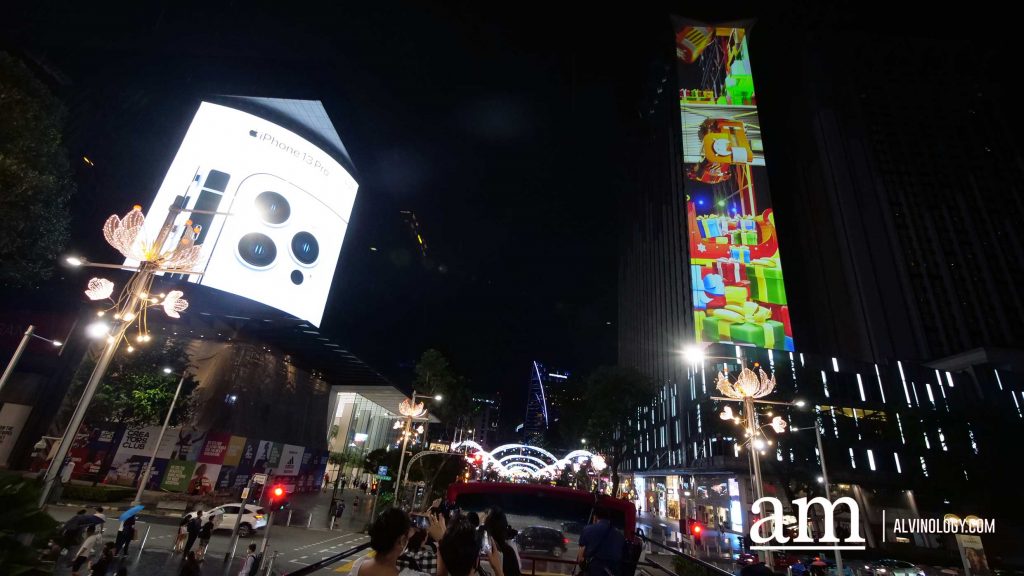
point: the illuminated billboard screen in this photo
(269, 208)
(735, 268)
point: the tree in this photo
(23, 526)
(136, 391)
(35, 177)
(434, 376)
(612, 399)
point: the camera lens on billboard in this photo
(257, 250)
(273, 208)
(305, 248)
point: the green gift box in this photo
(748, 237)
(766, 285)
(715, 329)
(721, 240)
(735, 237)
(771, 334)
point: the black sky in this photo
(499, 130)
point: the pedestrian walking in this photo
(191, 566)
(205, 533)
(355, 503)
(249, 565)
(101, 566)
(85, 551)
(193, 527)
(338, 511)
(327, 482)
(125, 535)
(179, 542)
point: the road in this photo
(296, 546)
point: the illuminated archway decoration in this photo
(525, 461)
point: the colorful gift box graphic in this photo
(747, 224)
(771, 334)
(780, 313)
(737, 294)
(712, 226)
(766, 284)
(747, 323)
(736, 237)
(732, 271)
(740, 253)
(722, 240)
(748, 237)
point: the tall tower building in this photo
(540, 415)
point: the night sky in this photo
(503, 132)
(500, 131)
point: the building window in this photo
(871, 459)
(853, 460)
(881, 389)
(899, 469)
(924, 467)
(860, 386)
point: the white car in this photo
(226, 515)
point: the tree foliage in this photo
(612, 399)
(137, 392)
(21, 521)
(35, 177)
(434, 375)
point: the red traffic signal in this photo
(696, 528)
(278, 491)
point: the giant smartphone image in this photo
(269, 208)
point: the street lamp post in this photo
(410, 411)
(159, 440)
(127, 237)
(30, 333)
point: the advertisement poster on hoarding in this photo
(226, 479)
(12, 420)
(90, 450)
(236, 449)
(132, 455)
(177, 475)
(739, 296)
(203, 480)
(188, 442)
(972, 553)
(273, 455)
(275, 207)
(290, 460)
(215, 448)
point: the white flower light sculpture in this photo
(125, 234)
(407, 408)
(747, 385)
(99, 289)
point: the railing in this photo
(328, 561)
(682, 562)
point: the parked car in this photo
(542, 539)
(746, 559)
(891, 567)
(572, 527)
(225, 516)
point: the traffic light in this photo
(696, 529)
(278, 497)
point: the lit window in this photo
(871, 459)
(903, 379)
(899, 469)
(853, 460)
(998, 379)
(942, 441)
(931, 397)
(835, 364)
(949, 379)
(860, 386)
(881, 390)
(824, 383)
(924, 467)
(974, 444)
(899, 422)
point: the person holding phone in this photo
(461, 548)
(421, 553)
(389, 536)
(501, 534)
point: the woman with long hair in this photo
(496, 525)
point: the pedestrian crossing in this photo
(317, 551)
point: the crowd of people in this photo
(81, 544)
(443, 543)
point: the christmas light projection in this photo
(135, 299)
(525, 461)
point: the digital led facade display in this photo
(269, 208)
(739, 295)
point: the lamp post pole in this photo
(405, 443)
(159, 440)
(30, 333)
(828, 491)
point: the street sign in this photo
(259, 478)
(379, 477)
(245, 493)
(382, 471)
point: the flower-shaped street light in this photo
(154, 256)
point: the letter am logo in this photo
(775, 538)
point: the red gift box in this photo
(733, 271)
(780, 313)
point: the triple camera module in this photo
(259, 251)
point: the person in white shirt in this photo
(250, 561)
(85, 551)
